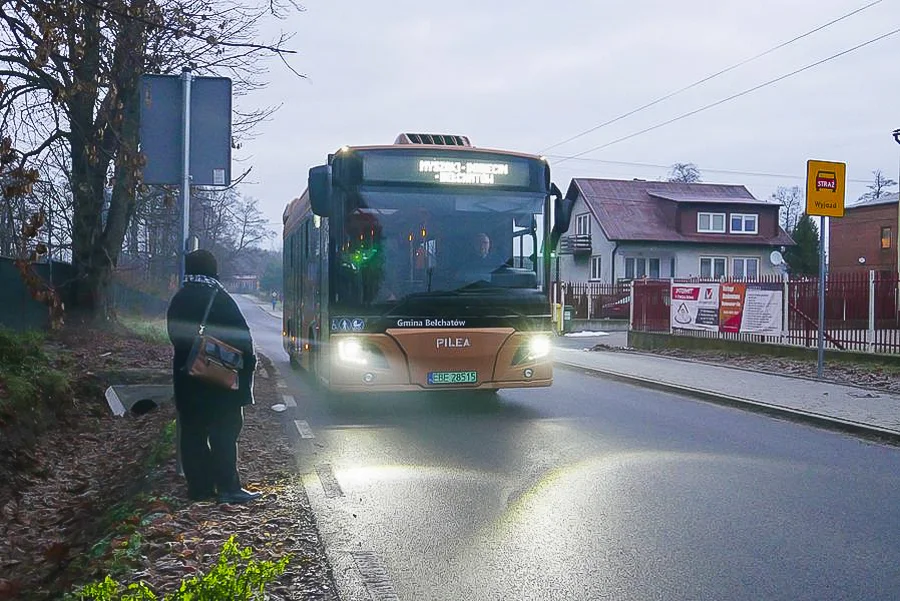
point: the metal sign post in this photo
(825, 189)
(820, 365)
(186, 77)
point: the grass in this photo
(152, 330)
(28, 381)
(164, 448)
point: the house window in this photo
(885, 237)
(595, 268)
(745, 268)
(711, 223)
(743, 223)
(583, 225)
(639, 267)
(713, 267)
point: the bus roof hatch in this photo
(433, 139)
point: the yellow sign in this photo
(826, 183)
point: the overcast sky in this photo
(523, 75)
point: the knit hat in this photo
(201, 262)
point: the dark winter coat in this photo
(225, 322)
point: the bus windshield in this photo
(397, 243)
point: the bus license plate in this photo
(452, 377)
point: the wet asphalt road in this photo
(590, 490)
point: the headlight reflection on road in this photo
(364, 476)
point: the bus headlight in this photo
(350, 350)
(538, 347)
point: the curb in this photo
(866, 431)
(266, 310)
(826, 380)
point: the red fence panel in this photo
(651, 299)
(849, 310)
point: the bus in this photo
(422, 265)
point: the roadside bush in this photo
(29, 386)
(235, 576)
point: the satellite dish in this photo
(775, 258)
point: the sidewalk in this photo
(264, 307)
(847, 408)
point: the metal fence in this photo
(593, 300)
(861, 312)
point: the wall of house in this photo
(687, 257)
(577, 268)
(767, 223)
(858, 234)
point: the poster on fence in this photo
(752, 308)
(695, 306)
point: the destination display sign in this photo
(491, 171)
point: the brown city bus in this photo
(422, 265)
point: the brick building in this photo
(865, 238)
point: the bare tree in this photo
(878, 188)
(791, 201)
(226, 223)
(250, 226)
(73, 70)
(687, 173)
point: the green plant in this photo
(164, 448)
(28, 383)
(236, 576)
(110, 590)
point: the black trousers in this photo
(209, 448)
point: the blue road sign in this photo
(161, 125)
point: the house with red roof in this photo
(632, 229)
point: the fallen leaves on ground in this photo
(92, 505)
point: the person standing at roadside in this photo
(211, 417)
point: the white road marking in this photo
(375, 576)
(329, 481)
(303, 429)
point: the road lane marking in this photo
(375, 576)
(303, 428)
(289, 401)
(329, 482)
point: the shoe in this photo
(238, 496)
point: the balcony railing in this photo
(575, 244)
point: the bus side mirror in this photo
(320, 190)
(562, 214)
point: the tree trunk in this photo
(96, 246)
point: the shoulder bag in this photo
(211, 360)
